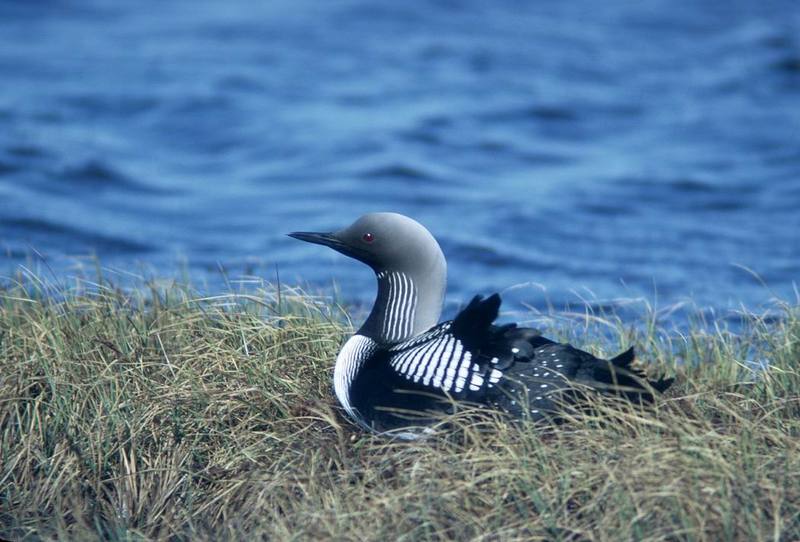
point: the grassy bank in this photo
(161, 415)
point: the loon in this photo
(403, 367)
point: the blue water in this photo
(572, 149)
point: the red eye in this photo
(368, 237)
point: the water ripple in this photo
(51, 234)
(97, 175)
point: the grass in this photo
(161, 415)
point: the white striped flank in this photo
(432, 363)
(401, 305)
(463, 371)
(439, 360)
(401, 361)
(423, 355)
(351, 358)
(476, 382)
(452, 367)
(443, 362)
(424, 338)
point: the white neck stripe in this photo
(401, 303)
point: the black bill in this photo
(327, 239)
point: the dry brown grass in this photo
(159, 415)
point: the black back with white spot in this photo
(512, 369)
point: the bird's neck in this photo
(407, 305)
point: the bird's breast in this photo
(355, 352)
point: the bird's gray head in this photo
(384, 241)
(398, 249)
